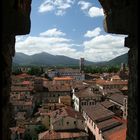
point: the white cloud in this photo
(93, 33)
(104, 47)
(84, 5)
(21, 37)
(95, 12)
(50, 41)
(52, 32)
(32, 45)
(46, 7)
(90, 10)
(58, 6)
(98, 48)
(64, 6)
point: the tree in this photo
(35, 71)
(101, 69)
(16, 71)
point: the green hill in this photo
(60, 60)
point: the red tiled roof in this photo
(116, 77)
(21, 89)
(87, 93)
(52, 135)
(107, 104)
(124, 88)
(26, 83)
(24, 75)
(118, 135)
(65, 112)
(105, 82)
(57, 87)
(100, 81)
(119, 98)
(67, 78)
(97, 112)
(121, 119)
(110, 123)
(67, 97)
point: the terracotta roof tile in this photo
(52, 135)
(26, 83)
(24, 75)
(65, 112)
(119, 98)
(57, 87)
(117, 133)
(20, 88)
(97, 112)
(106, 82)
(107, 104)
(116, 77)
(63, 78)
(86, 93)
(108, 124)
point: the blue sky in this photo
(72, 28)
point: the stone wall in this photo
(132, 128)
(116, 11)
(121, 18)
(7, 51)
(15, 21)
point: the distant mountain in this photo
(118, 60)
(45, 59)
(60, 60)
(20, 58)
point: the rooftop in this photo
(65, 112)
(67, 97)
(106, 82)
(97, 112)
(108, 124)
(117, 133)
(21, 88)
(58, 87)
(52, 135)
(24, 75)
(119, 98)
(115, 77)
(86, 93)
(66, 78)
(107, 104)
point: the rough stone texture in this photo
(132, 129)
(15, 21)
(7, 51)
(115, 10)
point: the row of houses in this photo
(68, 109)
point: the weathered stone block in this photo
(16, 19)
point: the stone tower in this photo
(82, 63)
(123, 73)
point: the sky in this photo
(72, 28)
